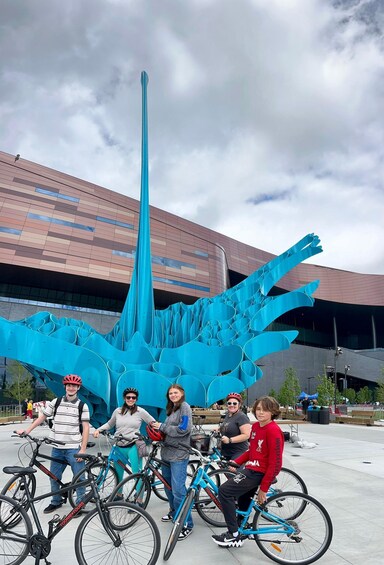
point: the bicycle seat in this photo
(91, 444)
(18, 470)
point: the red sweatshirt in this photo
(265, 453)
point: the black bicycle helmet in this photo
(132, 390)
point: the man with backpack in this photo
(70, 418)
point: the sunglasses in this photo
(232, 403)
(131, 397)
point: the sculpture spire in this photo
(138, 311)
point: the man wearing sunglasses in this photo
(235, 429)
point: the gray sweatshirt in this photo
(127, 424)
(177, 430)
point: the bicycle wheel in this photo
(159, 488)
(16, 530)
(135, 489)
(288, 480)
(106, 480)
(313, 529)
(138, 538)
(179, 524)
(206, 501)
(15, 489)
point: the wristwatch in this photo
(229, 440)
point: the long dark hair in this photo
(173, 407)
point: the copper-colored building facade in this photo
(63, 237)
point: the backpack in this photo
(58, 401)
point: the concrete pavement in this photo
(345, 472)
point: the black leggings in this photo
(242, 487)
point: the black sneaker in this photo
(185, 532)
(228, 540)
(52, 508)
(167, 518)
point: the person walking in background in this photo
(127, 420)
(66, 428)
(305, 404)
(30, 409)
(263, 462)
(24, 406)
(235, 429)
(177, 430)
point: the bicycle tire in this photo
(105, 486)
(15, 489)
(178, 525)
(314, 529)
(205, 505)
(158, 487)
(16, 531)
(137, 530)
(288, 480)
(135, 489)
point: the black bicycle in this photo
(114, 531)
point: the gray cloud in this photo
(247, 100)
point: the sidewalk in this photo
(345, 472)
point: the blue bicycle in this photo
(290, 528)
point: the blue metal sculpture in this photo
(210, 347)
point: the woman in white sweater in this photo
(127, 420)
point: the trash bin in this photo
(313, 416)
(324, 415)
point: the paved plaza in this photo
(345, 471)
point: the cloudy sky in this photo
(266, 117)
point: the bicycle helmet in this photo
(72, 380)
(132, 390)
(235, 395)
(154, 435)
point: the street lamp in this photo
(338, 351)
(347, 368)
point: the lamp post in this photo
(338, 351)
(309, 384)
(347, 368)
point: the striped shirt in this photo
(66, 422)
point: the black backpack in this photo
(58, 401)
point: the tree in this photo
(364, 395)
(20, 385)
(325, 390)
(272, 393)
(350, 393)
(380, 392)
(290, 388)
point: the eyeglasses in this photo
(131, 397)
(232, 403)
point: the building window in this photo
(10, 230)
(56, 194)
(115, 222)
(60, 222)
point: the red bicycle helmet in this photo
(235, 395)
(72, 380)
(154, 435)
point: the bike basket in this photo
(201, 442)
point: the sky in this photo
(266, 117)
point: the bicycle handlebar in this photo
(38, 440)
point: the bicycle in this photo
(15, 489)
(113, 526)
(290, 528)
(286, 480)
(137, 488)
(104, 471)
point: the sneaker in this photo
(185, 532)
(228, 540)
(52, 508)
(118, 497)
(167, 518)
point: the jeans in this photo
(67, 457)
(176, 475)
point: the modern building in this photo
(67, 244)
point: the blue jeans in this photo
(176, 475)
(67, 457)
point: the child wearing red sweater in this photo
(263, 462)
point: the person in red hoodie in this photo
(263, 462)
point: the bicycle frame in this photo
(280, 526)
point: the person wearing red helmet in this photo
(69, 414)
(263, 462)
(235, 429)
(127, 421)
